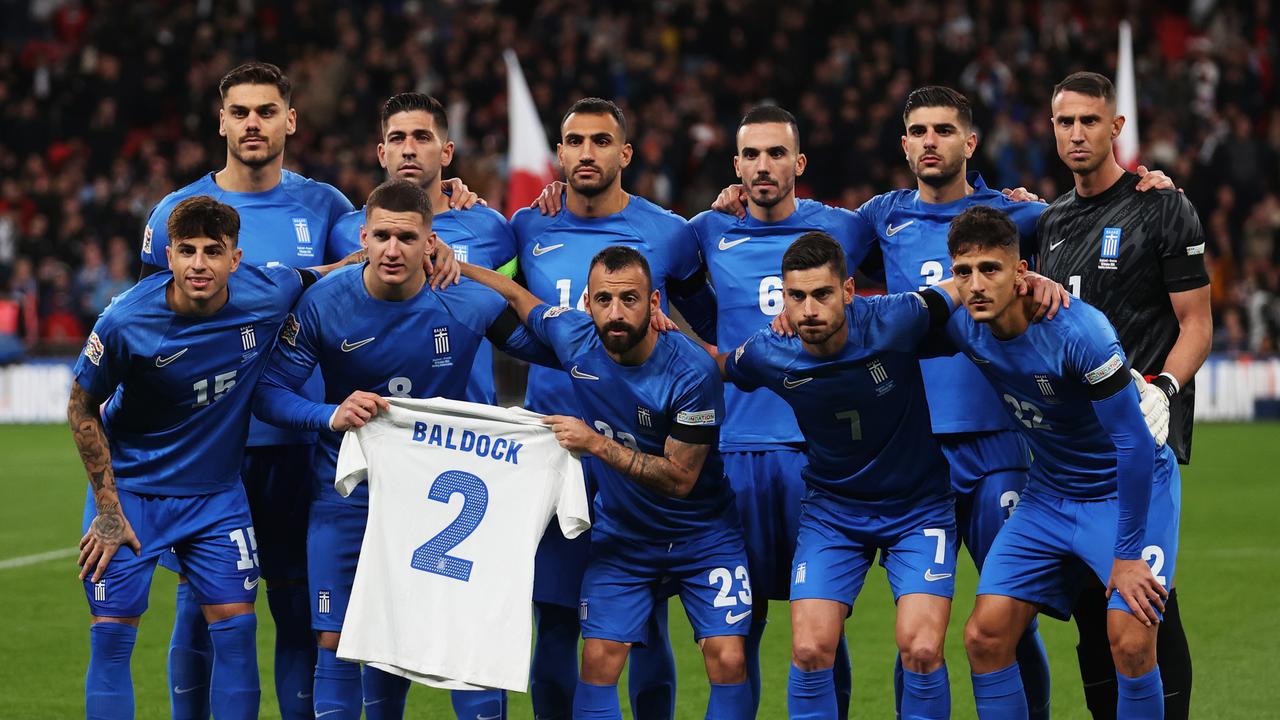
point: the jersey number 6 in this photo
(430, 557)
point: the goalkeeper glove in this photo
(1155, 403)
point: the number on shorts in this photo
(771, 295)
(722, 577)
(940, 534)
(1009, 501)
(1155, 555)
(248, 550)
(400, 386)
(431, 557)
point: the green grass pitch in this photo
(1228, 579)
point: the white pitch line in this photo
(38, 558)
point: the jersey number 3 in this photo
(431, 556)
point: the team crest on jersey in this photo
(93, 349)
(289, 330)
(440, 336)
(644, 417)
(880, 376)
(146, 240)
(303, 232)
(1046, 389)
(248, 340)
(554, 312)
(1110, 248)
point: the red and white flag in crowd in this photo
(529, 160)
(1127, 102)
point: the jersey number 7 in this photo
(431, 556)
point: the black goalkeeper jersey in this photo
(1123, 252)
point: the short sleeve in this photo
(295, 355)
(344, 237)
(1182, 244)
(567, 331)
(1026, 217)
(697, 410)
(286, 284)
(572, 507)
(155, 236)
(686, 258)
(745, 366)
(104, 361)
(353, 467)
(855, 230)
(898, 322)
(1094, 357)
(504, 241)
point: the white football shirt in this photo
(459, 495)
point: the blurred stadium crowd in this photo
(105, 107)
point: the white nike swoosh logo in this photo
(929, 576)
(790, 384)
(1054, 246)
(303, 696)
(890, 231)
(581, 375)
(726, 245)
(250, 585)
(375, 702)
(329, 712)
(348, 347)
(538, 249)
(731, 619)
(489, 717)
(161, 362)
(183, 691)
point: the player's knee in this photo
(1134, 653)
(602, 661)
(130, 621)
(983, 639)
(922, 654)
(328, 640)
(811, 654)
(726, 661)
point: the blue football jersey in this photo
(639, 406)
(744, 257)
(863, 409)
(1046, 380)
(913, 238)
(479, 236)
(179, 387)
(555, 255)
(291, 224)
(422, 347)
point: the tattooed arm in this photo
(674, 474)
(109, 529)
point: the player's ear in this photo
(446, 154)
(655, 300)
(905, 153)
(626, 154)
(236, 256)
(848, 290)
(364, 237)
(736, 170)
(1116, 126)
(291, 122)
(222, 122)
(168, 255)
(802, 162)
(970, 144)
(382, 155)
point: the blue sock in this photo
(108, 685)
(842, 676)
(554, 675)
(384, 694)
(337, 687)
(596, 701)
(730, 702)
(998, 695)
(1033, 664)
(651, 672)
(811, 695)
(754, 636)
(926, 695)
(295, 649)
(233, 686)
(1141, 697)
(897, 684)
(190, 659)
(474, 705)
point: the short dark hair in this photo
(399, 196)
(761, 114)
(617, 257)
(202, 216)
(939, 96)
(1087, 83)
(411, 101)
(981, 228)
(257, 73)
(814, 250)
(598, 106)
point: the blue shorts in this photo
(988, 474)
(559, 564)
(1045, 551)
(212, 536)
(334, 537)
(768, 489)
(836, 547)
(626, 578)
(277, 483)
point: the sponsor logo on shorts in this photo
(322, 602)
(249, 585)
(582, 610)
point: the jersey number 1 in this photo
(431, 557)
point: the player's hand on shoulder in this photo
(661, 323)
(572, 433)
(1047, 295)
(357, 410)
(732, 201)
(548, 201)
(460, 196)
(1154, 180)
(1021, 194)
(1139, 588)
(1155, 408)
(442, 266)
(782, 326)
(109, 531)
